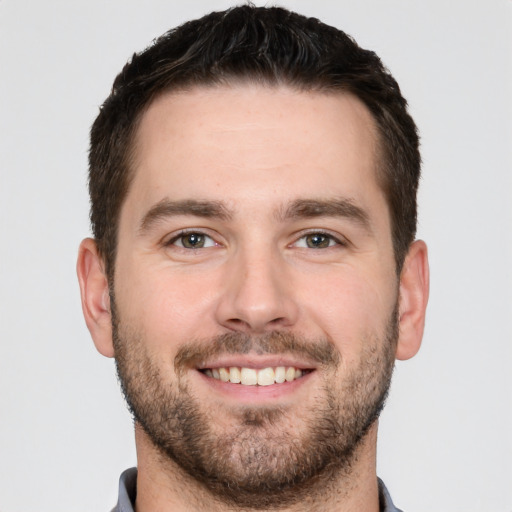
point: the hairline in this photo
(130, 162)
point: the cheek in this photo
(350, 308)
(165, 305)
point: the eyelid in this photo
(337, 237)
(170, 240)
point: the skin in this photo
(256, 150)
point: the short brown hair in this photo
(267, 45)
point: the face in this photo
(255, 294)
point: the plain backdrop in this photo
(445, 437)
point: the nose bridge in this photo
(257, 297)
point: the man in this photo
(253, 271)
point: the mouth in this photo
(247, 376)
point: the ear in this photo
(414, 289)
(95, 296)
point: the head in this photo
(253, 185)
(270, 46)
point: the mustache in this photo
(194, 353)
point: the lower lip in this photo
(256, 394)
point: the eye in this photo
(317, 240)
(192, 240)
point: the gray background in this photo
(65, 436)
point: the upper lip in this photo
(257, 361)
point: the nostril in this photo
(242, 325)
(237, 324)
(237, 321)
(278, 321)
(256, 309)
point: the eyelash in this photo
(183, 233)
(338, 241)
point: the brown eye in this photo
(318, 241)
(193, 240)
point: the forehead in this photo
(254, 140)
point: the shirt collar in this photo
(128, 493)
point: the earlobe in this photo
(95, 296)
(414, 290)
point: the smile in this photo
(255, 377)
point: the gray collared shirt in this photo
(128, 491)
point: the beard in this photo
(264, 457)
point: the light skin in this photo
(277, 188)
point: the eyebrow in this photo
(298, 209)
(337, 207)
(198, 208)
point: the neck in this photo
(164, 486)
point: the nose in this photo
(257, 295)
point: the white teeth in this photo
(280, 374)
(290, 374)
(253, 377)
(266, 377)
(249, 377)
(224, 374)
(234, 375)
